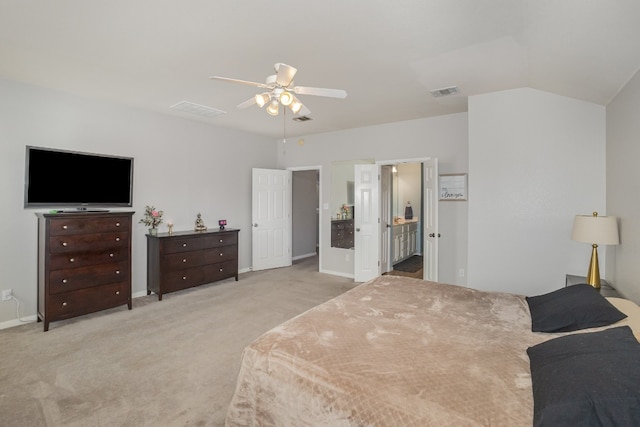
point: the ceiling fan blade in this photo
(248, 103)
(285, 74)
(304, 111)
(242, 82)
(319, 91)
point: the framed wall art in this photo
(453, 186)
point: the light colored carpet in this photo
(165, 363)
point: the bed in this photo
(395, 351)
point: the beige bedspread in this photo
(395, 351)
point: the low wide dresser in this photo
(185, 259)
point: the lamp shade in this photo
(594, 229)
(273, 108)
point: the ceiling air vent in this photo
(200, 110)
(302, 118)
(445, 91)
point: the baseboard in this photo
(18, 322)
(296, 258)
(337, 273)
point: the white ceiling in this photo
(387, 55)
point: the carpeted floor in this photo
(165, 363)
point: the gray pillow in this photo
(587, 379)
(570, 309)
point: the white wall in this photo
(535, 161)
(623, 186)
(444, 137)
(181, 166)
(409, 189)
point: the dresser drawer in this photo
(224, 253)
(65, 226)
(70, 304)
(81, 259)
(182, 260)
(176, 280)
(86, 277)
(219, 271)
(88, 242)
(181, 245)
(224, 239)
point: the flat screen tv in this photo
(59, 178)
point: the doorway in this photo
(305, 213)
(404, 219)
(423, 235)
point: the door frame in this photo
(420, 160)
(320, 209)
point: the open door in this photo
(366, 224)
(271, 218)
(430, 215)
(386, 221)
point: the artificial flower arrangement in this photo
(152, 217)
(345, 211)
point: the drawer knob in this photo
(184, 245)
(64, 227)
(117, 292)
(117, 224)
(72, 260)
(221, 254)
(220, 240)
(117, 271)
(184, 277)
(64, 243)
(184, 260)
(110, 255)
(220, 269)
(117, 239)
(64, 280)
(64, 304)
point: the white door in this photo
(430, 214)
(367, 226)
(271, 218)
(385, 219)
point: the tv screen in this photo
(68, 178)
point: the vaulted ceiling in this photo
(387, 55)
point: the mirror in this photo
(342, 201)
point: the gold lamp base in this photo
(593, 276)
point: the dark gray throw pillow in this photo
(587, 379)
(570, 309)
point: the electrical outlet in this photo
(461, 272)
(7, 294)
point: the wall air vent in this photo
(302, 118)
(200, 110)
(445, 91)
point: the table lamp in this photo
(597, 230)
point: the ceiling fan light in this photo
(262, 99)
(286, 98)
(295, 106)
(272, 109)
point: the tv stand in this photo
(90, 210)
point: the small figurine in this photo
(200, 224)
(170, 225)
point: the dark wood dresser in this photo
(84, 263)
(342, 233)
(186, 259)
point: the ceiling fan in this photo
(281, 90)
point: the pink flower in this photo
(154, 213)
